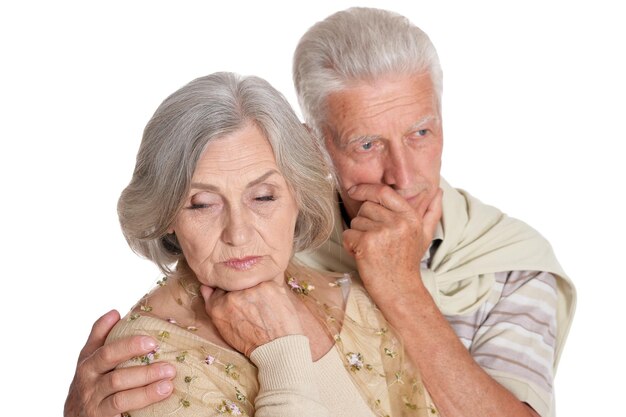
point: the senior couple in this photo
(405, 296)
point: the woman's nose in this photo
(237, 230)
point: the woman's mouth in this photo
(242, 264)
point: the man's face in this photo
(386, 132)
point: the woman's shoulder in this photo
(208, 376)
(173, 307)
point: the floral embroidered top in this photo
(365, 373)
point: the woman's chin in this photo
(240, 283)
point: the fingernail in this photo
(167, 370)
(148, 343)
(351, 189)
(164, 387)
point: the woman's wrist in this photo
(284, 363)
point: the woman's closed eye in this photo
(265, 198)
(203, 201)
(197, 206)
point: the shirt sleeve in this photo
(287, 379)
(513, 337)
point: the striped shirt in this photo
(512, 336)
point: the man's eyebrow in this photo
(421, 122)
(362, 138)
(415, 126)
(213, 188)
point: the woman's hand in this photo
(252, 317)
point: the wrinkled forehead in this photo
(366, 108)
(242, 153)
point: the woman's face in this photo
(237, 224)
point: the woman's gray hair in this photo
(358, 44)
(208, 108)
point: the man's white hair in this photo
(358, 44)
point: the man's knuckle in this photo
(119, 402)
(116, 380)
(104, 354)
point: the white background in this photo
(534, 109)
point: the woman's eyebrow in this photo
(204, 186)
(263, 178)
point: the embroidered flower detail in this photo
(188, 379)
(162, 282)
(300, 287)
(134, 316)
(149, 357)
(229, 407)
(240, 397)
(181, 358)
(408, 404)
(164, 334)
(230, 371)
(398, 378)
(355, 360)
(146, 308)
(209, 360)
(185, 403)
(390, 353)
(381, 331)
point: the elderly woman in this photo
(228, 185)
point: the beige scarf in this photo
(479, 240)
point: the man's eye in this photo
(366, 146)
(422, 132)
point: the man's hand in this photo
(99, 390)
(252, 317)
(388, 238)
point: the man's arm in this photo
(388, 231)
(99, 390)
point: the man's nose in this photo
(237, 230)
(397, 168)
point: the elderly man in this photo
(479, 299)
